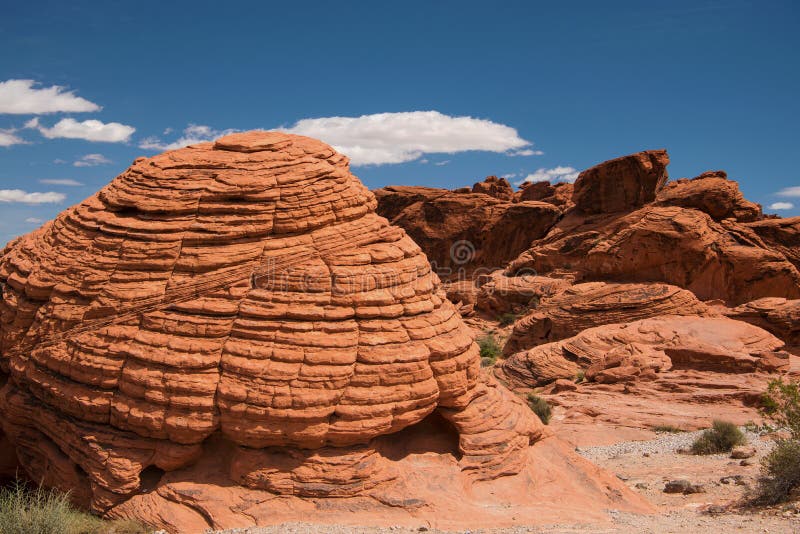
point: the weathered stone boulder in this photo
(711, 193)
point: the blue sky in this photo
(517, 88)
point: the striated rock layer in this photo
(640, 350)
(593, 304)
(244, 292)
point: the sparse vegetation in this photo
(490, 350)
(507, 319)
(780, 469)
(25, 510)
(580, 377)
(669, 429)
(534, 302)
(721, 437)
(540, 407)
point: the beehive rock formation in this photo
(593, 304)
(641, 349)
(242, 292)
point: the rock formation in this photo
(779, 316)
(641, 349)
(711, 193)
(232, 321)
(559, 194)
(584, 306)
(495, 187)
(466, 231)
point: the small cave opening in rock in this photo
(149, 478)
(433, 434)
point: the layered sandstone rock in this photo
(584, 306)
(244, 291)
(465, 231)
(776, 315)
(780, 235)
(495, 187)
(641, 349)
(683, 247)
(621, 184)
(711, 193)
(559, 194)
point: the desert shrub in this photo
(507, 319)
(26, 510)
(490, 349)
(540, 407)
(580, 377)
(780, 471)
(670, 429)
(721, 437)
(781, 403)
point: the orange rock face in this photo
(243, 290)
(776, 315)
(711, 193)
(641, 349)
(593, 304)
(466, 231)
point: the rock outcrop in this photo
(641, 349)
(621, 184)
(584, 306)
(465, 231)
(559, 194)
(711, 193)
(238, 296)
(779, 316)
(495, 187)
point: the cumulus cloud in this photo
(18, 195)
(92, 160)
(509, 176)
(192, 134)
(88, 130)
(556, 174)
(23, 97)
(61, 181)
(8, 138)
(34, 220)
(781, 205)
(385, 138)
(790, 192)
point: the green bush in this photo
(780, 469)
(721, 437)
(507, 319)
(540, 407)
(780, 472)
(25, 510)
(490, 350)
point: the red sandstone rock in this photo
(779, 316)
(465, 231)
(711, 193)
(593, 304)
(498, 293)
(621, 184)
(683, 247)
(780, 235)
(495, 187)
(641, 349)
(559, 194)
(243, 290)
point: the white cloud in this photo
(192, 134)
(790, 192)
(526, 152)
(21, 97)
(442, 163)
(88, 130)
(18, 195)
(556, 174)
(781, 206)
(34, 220)
(92, 160)
(385, 138)
(509, 175)
(61, 181)
(7, 138)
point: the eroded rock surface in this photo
(246, 291)
(584, 306)
(640, 350)
(779, 316)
